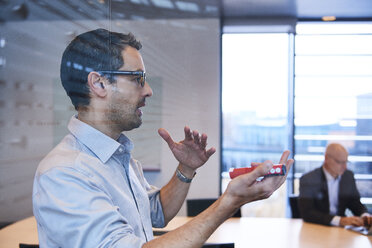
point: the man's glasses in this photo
(141, 79)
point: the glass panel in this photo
(330, 45)
(177, 37)
(333, 97)
(333, 65)
(255, 105)
(332, 86)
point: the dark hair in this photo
(95, 50)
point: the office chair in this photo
(293, 202)
(196, 206)
(28, 246)
(227, 245)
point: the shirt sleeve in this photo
(336, 221)
(157, 215)
(365, 214)
(73, 211)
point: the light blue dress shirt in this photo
(89, 192)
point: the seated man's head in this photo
(335, 159)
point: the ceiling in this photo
(299, 9)
(20, 10)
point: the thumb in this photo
(263, 169)
(166, 136)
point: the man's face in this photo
(336, 162)
(127, 95)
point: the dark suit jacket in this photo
(313, 200)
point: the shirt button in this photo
(120, 149)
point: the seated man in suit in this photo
(326, 192)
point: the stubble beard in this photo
(123, 118)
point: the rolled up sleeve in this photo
(157, 215)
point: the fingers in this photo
(195, 135)
(284, 158)
(210, 152)
(255, 164)
(262, 169)
(288, 165)
(199, 139)
(166, 136)
(188, 134)
(203, 141)
(356, 221)
(287, 162)
(352, 220)
(367, 221)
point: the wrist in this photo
(229, 204)
(343, 221)
(186, 171)
(182, 177)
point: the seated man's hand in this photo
(191, 152)
(245, 188)
(352, 220)
(367, 221)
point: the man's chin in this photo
(340, 174)
(137, 125)
(133, 125)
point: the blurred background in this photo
(258, 76)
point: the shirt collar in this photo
(100, 144)
(328, 176)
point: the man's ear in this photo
(97, 84)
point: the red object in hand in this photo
(276, 170)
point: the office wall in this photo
(182, 61)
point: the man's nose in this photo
(147, 89)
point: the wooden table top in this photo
(280, 233)
(244, 232)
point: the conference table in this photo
(243, 232)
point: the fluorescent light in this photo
(329, 18)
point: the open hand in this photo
(190, 152)
(245, 188)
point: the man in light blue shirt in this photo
(89, 191)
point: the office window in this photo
(255, 106)
(331, 101)
(333, 96)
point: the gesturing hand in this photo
(190, 152)
(245, 188)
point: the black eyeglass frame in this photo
(142, 75)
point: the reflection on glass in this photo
(254, 107)
(254, 98)
(333, 97)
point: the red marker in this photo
(276, 170)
